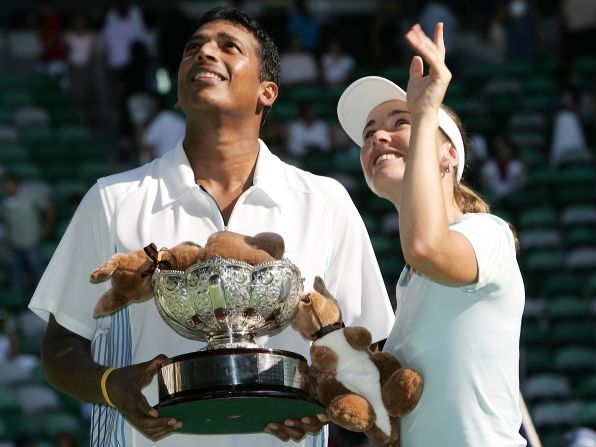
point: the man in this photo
(219, 177)
(28, 216)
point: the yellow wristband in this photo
(104, 391)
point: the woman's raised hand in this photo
(426, 93)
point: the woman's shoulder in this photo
(482, 223)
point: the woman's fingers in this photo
(416, 67)
(439, 41)
(432, 52)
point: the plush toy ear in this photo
(103, 272)
(320, 287)
(107, 304)
(272, 243)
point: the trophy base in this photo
(227, 391)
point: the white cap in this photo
(364, 94)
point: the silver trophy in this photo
(233, 385)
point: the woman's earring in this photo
(448, 170)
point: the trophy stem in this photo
(231, 340)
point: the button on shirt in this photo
(161, 203)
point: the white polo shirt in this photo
(161, 203)
(464, 341)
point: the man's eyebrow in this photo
(221, 35)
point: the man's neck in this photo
(223, 163)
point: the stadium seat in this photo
(587, 414)
(11, 300)
(587, 387)
(531, 239)
(36, 399)
(36, 136)
(543, 261)
(590, 285)
(534, 333)
(577, 333)
(578, 214)
(535, 360)
(542, 176)
(579, 236)
(556, 413)
(544, 386)
(568, 307)
(13, 153)
(575, 360)
(31, 115)
(561, 283)
(57, 422)
(538, 217)
(581, 259)
(9, 134)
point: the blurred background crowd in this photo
(88, 88)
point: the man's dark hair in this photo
(267, 51)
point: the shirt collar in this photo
(177, 176)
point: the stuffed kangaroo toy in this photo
(131, 272)
(361, 390)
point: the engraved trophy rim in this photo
(190, 290)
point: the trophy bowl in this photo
(233, 385)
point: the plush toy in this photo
(362, 391)
(131, 272)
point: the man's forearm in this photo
(68, 365)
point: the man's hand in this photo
(296, 429)
(124, 390)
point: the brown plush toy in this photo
(361, 390)
(131, 272)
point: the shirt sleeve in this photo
(352, 274)
(64, 289)
(492, 240)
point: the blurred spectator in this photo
(173, 34)
(308, 133)
(50, 34)
(298, 66)
(568, 140)
(441, 11)
(302, 23)
(580, 437)
(578, 19)
(386, 34)
(505, 173)
(9, 340)
(162, 132)
(139, 89)
(275, 133)
(476, 156)
(124, 25)
(522, 24)
(66, 439)
(25, 440)
(336, 64)
(28, 218)
(15, 368)
(80, 48)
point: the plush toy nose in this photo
(306, 299)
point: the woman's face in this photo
(386, 139)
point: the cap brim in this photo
(360, 98)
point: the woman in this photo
(460, 297)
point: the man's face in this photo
(220, 68)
